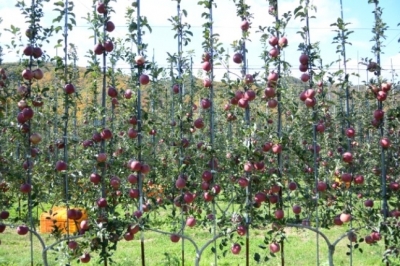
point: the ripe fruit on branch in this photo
(347, 157)
(269, 92)
(272, 103)
(321, 186)
(236, 248)
(245, 25)
(385, 143)
(61, 166)
(248, 79)
(303, 68)
(345, 217)
(101, 8)
(274, 247)
(37, 52)
(102, 203)
(38, 74)
(110, 26)
(69, 88)
(273, 41)
(273, 76)
(174, 238)
(99, 49)
(108, 46)
(305, 77)
(28, 51)
(25, 188)
(27, 74)
(191, 221)
(274, 52)
(249, 95)
(279, 214)
(207, 83)
(139, 59)
(205, 103)
(85, 258)
(350, 132)
(237, 58)
(303, 59)
(296, 209)
(106, 134)
(206, 57)
(144, 79)
(22, 230)
(283, 42)
(112, 92)
(206, 66)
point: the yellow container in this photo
(58, 218)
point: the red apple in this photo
(269, 92)
(369, 203)
(272, 103)
(279, 214)
(321, 186)
(292, 186)
(37, 52)
(106, 134)
(273, 41)
(110, 26)
(4, 215)
(245, 25)
(140, 60)
(359, 180)
(248, 79)
(207, 83)
(38, 74)
(102, 203)
(191, 221)
(303, 59)
(28, 51)
(305, 77)
(206, 66)
(274, 247)
(350, 132)
(27, 74)
(274, 52)
(61, 166)
(283, 42)
(85, 258)
(101, 8)
(296, 209)
(108, 46)
(180, 183)
(112, 92)
(25, 188)
(236, 248)
(345, 217)
(99, 49)
(174, 238)
(144, 79)
(69, 88)
(22, 230)
(347, 157)
(385, 143)
(237, 58)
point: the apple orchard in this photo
(125, 153)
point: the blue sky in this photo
(357, 12)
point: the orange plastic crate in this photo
(58, 218)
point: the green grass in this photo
(300, 249)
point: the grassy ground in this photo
(300, 250)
